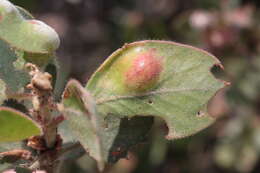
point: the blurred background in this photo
(91, 30)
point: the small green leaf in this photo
(107, 139)
(79, 109)
(28, 35)
(159, 78)
(16, 126)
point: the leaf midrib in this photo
(156, 92)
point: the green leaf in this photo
(16, 126)
(10, 70)
(159, 78)
(13, 77)
(81, 115)
(31, 35)
(107, 139)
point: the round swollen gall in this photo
(144, 72)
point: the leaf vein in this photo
(156, 92)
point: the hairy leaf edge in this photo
(81, 89)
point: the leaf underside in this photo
(81, 116)
(105, 139)
(13, 77)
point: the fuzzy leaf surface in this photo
(106, 139)
(80, 112)
(13, 77)
(159, 78)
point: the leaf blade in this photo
(102, 137)
(16, 126)
(183, 89)
(81, 116)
